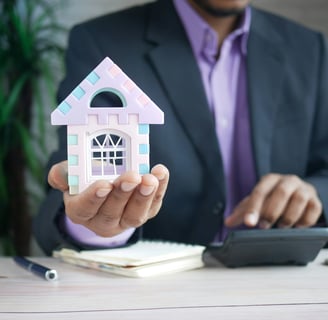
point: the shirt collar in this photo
(202, 37)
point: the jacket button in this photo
(217, 208)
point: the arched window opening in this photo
(108, 99)
(108, 155)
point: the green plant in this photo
(28, 47)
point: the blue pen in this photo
(37, 269)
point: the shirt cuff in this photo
(85, 236)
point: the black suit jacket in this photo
(287, 78)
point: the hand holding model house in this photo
(107, 179)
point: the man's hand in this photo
(285, 200)
(110, 208)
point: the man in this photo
(245, 137)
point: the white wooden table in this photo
(280, 292)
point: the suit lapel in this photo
(175, 65)
(265, 73)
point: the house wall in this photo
(79, 154)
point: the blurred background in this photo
(33, 35)
(312, 13)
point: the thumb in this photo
(57, 176)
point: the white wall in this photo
(313, 13)
(79, 10)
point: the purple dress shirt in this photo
(224, 81)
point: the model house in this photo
(107, 117)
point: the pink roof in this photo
(107, 76)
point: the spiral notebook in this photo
(142, 259)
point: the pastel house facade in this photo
(103, 141)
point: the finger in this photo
(57, 176)
(250, 209)
(163, 176)
(311, 214)
(84, 206)
(258, 197)
(237, 216)
(287, 190)
(294, 209)
(136, 212)
(107, 219)
(251, 219)
(147, 208)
